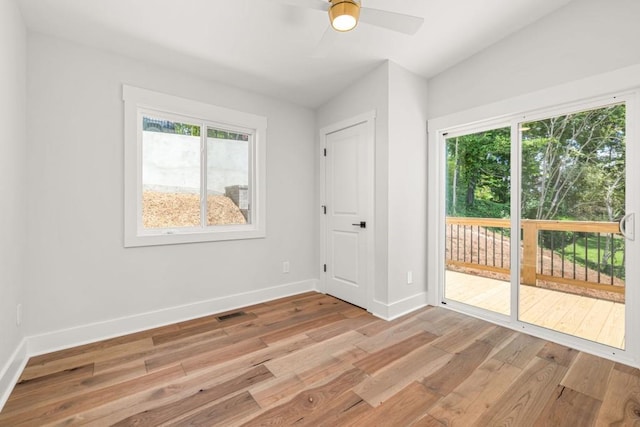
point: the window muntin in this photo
(192, 176)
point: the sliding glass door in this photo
(478, 236)
(546, 194)
(572, 196)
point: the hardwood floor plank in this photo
(221, 413)
(589, 375)
(521, 350)
(65, 390)
(497, 336)
(394, 335)
(428, 421)
(458, 338)
(98, 346)
(300, 361)
(479, 392)
(197, 400)
(62, 409)
(216, 351)
(201, 328)
(558, 353)
(337, 328)
(314, 360)
(457, 369)
(275, 390)
(402, 409)
(621, 402)
(345, 409)
(311, 401)
(302, 327)
(382, 358)
(196, 343)
(522, 403)
(56, 379)
(568, 407)
(397, 375)
(258, 357)
(48, 366)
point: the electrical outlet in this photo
(18, 314)
(409, 277)
(285, 266)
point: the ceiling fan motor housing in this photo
(344, 14)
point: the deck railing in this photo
(578, 253)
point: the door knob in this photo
(362, 224)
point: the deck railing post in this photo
(529, 252)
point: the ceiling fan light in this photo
(344, 14)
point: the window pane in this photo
(478, 228)
(573, 193)
(170, 174)
(228, 188)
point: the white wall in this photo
(407, 185)
(13, 192)
(84, 274)
(584, 38)
(400, 101)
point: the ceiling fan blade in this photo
(326, 43)
(322, 5)
(399, 22)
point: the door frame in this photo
(542, 107)
(369, 119)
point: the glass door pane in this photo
(572, 254)
(478, 237)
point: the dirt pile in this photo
(166, 210)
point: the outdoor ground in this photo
(165, 210)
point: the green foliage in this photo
(573, 168)
(589, 250)
(480, 165)
(573, 165)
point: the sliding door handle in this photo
(628, 226)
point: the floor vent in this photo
(231, 315)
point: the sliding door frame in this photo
(441, 129)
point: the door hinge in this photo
(324, 209)
(325, 268)
(325, 152)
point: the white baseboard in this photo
(399, 308)
(66, 338)
(11, 371)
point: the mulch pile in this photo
(166, 210)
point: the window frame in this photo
(139, 102)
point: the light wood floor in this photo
(585, 317)
(314, 360)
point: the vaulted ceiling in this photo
(271, 47)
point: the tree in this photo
(573, 165)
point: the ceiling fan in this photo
(344, 15)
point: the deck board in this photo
(585, 317)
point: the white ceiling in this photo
(272, 48)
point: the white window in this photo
(194, 172)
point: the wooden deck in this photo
(313, 360)
(585, 317)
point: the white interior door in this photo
(348, 204)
